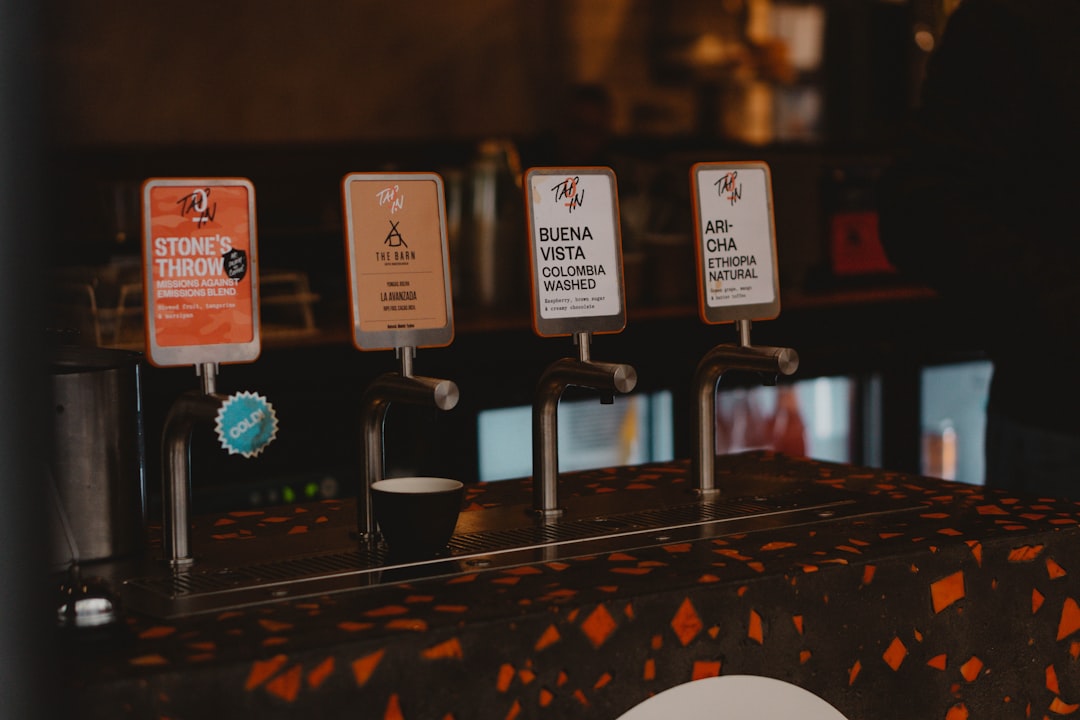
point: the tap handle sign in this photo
(399, 266)
(200, 271)
(575, 251)
(736, 241)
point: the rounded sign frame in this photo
(726, 217)
(597, 279)
(235, 323)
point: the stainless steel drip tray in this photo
(487, 540)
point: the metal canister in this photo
(96, 461)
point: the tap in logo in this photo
(198, 205)
(568, 194)
(392, 196)
(728, 185)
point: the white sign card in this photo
(575, 251)
(736, 241)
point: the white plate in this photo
(734, 697)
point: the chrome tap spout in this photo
(389, 388)
(769, 360)
(189, 409)
(608, 378)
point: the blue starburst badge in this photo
(246, 424)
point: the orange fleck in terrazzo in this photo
(598, 626)
(755, 631)
(287, 685)
(1060, 707)
(157, 631)
(524, 570)
(976, 550)
(148, 660)
(686, 623)
(705, 669)
(451, 649)
(461, 579)
(505, 677)
(957, 712)
(274, 626)
(1052, 680)
(393, 709)
(319, 673)
(678, 548)
(970, 670)
(894, 654)
(387, 611)
(1070, 619)
(364, 667)
(1053, 570)
(853, 672)
(947, 591)
(778, 545)
(549, 638)
(263, 670)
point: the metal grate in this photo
(216, 580)
(691, 514)
(224, 579)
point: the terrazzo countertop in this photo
(964, 607)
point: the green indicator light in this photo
(287, 494)
(311, 489)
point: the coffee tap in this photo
(770, 361)
(388, 388)
(608, 378)
(191, 408)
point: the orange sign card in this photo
(398, 260)
(200, 271)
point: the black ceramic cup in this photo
(416, 515)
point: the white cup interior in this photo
(417, 485)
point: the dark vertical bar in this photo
(25, 626)
(901, 417)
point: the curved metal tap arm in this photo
(189, 409)
(722, 358)
(386, 389)
(606, 377)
